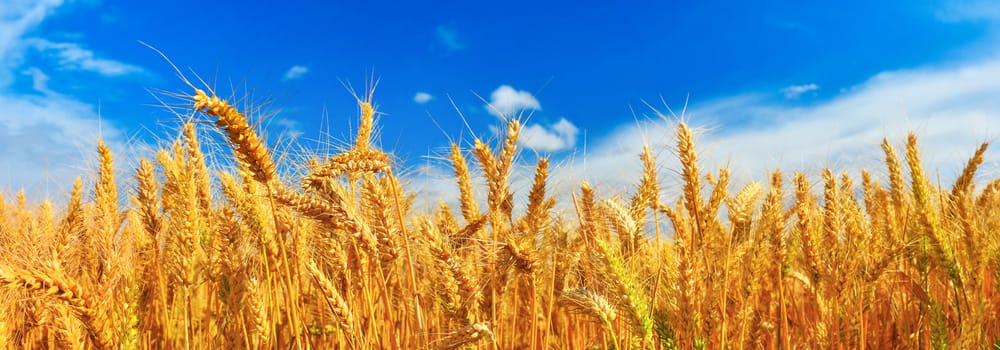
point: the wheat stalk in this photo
(69, 293)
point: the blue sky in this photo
(779, 84)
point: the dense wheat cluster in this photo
(337, 259)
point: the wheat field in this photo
(338, 258)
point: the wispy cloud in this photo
(422, 97)
(291, 128)
(39, 80)
(44, 136)
(74, 56)
(506, 101)
(969, 10)
(794, 91)
(16, 18)
(294, 73)
(43, 139)
(447, 36)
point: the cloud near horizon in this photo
(946, 106)
(950, 107)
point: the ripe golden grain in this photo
(347, 262)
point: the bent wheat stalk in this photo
(70, 293)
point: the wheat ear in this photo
(250, 149)
(964, 182)
(466, 335)
(470, 210)
(928, 215)
(336, 303)
(70, 293)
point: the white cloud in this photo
(794, 91)
(447, 36)
(75, 57)
(294, 73)
(951, 107)
(43, 138)
(506, 102)
(422, 97)
(556, 137)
